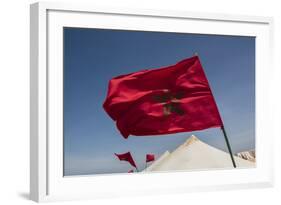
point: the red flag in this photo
(150, 157)
(168, 100)
(127, 157)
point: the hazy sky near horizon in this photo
(93, 56)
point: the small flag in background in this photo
(131, 171)
(150, 157)
(161, 101)
(127, 157)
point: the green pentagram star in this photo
(171, 102)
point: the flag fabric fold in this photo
(161, 101)
(126, 157)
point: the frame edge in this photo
(34, 24)
(38, 103)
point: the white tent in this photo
(248, 155)
(195, 154)
(158, 161)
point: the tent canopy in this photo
(194, 154)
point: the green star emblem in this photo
(171, 102)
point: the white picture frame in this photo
(46, 177)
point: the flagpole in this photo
(225, 137)
(228, 146)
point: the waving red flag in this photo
(127, 157)
(168, 100)
(150, 157)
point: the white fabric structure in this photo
(158, 161)
(248, 155)
(194, 154)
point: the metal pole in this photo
(228, 146)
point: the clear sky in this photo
(93, 56)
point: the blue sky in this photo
(93, 56)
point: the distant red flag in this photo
(168, 100)
(127, 157)
(150, 157)
(131, 171)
